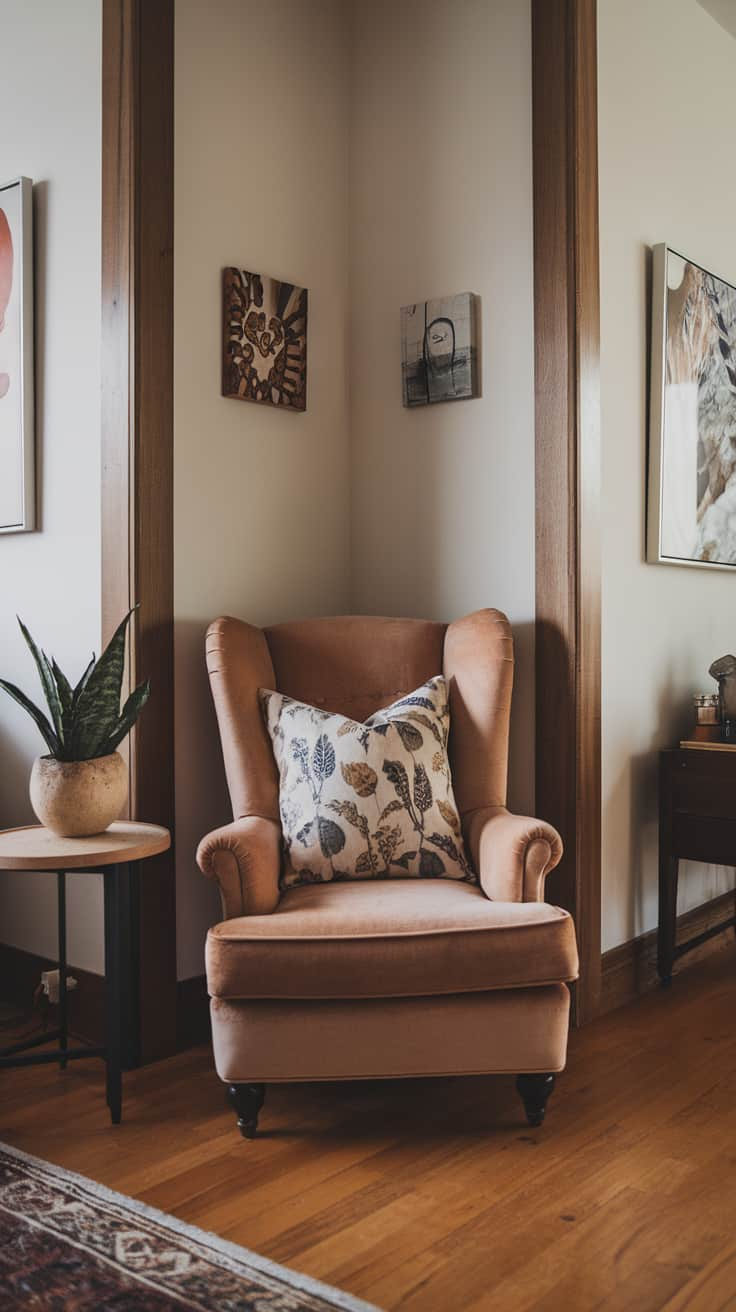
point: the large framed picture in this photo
(691, 516)
(17, 492)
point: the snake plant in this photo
(84, 721)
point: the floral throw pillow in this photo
(367, 801)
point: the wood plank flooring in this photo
(433, 1195)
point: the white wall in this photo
(666, 76)
(50, 106)
(441, 202)
(261, 497)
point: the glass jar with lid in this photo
(707, 708)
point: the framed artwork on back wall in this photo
(691, 517)
(439, 350)
(264, 346)
(17, 460)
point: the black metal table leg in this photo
(113, 1028)
(63, 1020)
(127, 918)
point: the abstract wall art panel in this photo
(691, 516)
(439, 350)
(17, 495)
(264, 349)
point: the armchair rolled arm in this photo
(244, 857)
(512, 854)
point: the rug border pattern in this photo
(234, 1257)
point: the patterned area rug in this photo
(68, 1243)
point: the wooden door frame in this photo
(567, 421)
(137, 450)
(137, 473)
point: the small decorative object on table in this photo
(715, 713)
(82, 785)
(724, 672)
(707, 718)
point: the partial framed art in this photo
(691, 514)
(17, 491)
(264, 346)
(439, 352)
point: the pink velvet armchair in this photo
(381, 978)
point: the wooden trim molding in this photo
(20, 973)
(631, 969)
(137, 445)
(567, 421)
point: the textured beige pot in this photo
(74, 798)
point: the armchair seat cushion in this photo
(391, 938)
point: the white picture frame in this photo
(692, 415)
(17, 435)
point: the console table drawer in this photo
(705, 838)
(704, 793)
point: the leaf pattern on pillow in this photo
(396, 774)
(360, 777)
(430, 865)
(395, 805)
(449, 814)
(388, 838)
(396, 808)
(323, 758)
(331, 836)
(420, 718)
(350, 812)
(422, 792)
(409, 735)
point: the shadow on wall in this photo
(202, 801)
(15, 804)
(521, 738)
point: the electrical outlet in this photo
(50, 984)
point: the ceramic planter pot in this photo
(76, 798)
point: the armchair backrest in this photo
(355, 664)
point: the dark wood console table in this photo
(697, 822)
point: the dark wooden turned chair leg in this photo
(534, 1090)
(247, 1100)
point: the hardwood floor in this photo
(433, 1195)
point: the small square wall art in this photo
(439, 350)
(264, 347)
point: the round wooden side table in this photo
(113, 854)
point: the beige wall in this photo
(667, 72)
(261, 496)
(441, 202)
(50, 130)
(393, 163)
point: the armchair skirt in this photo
(505, 1031)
